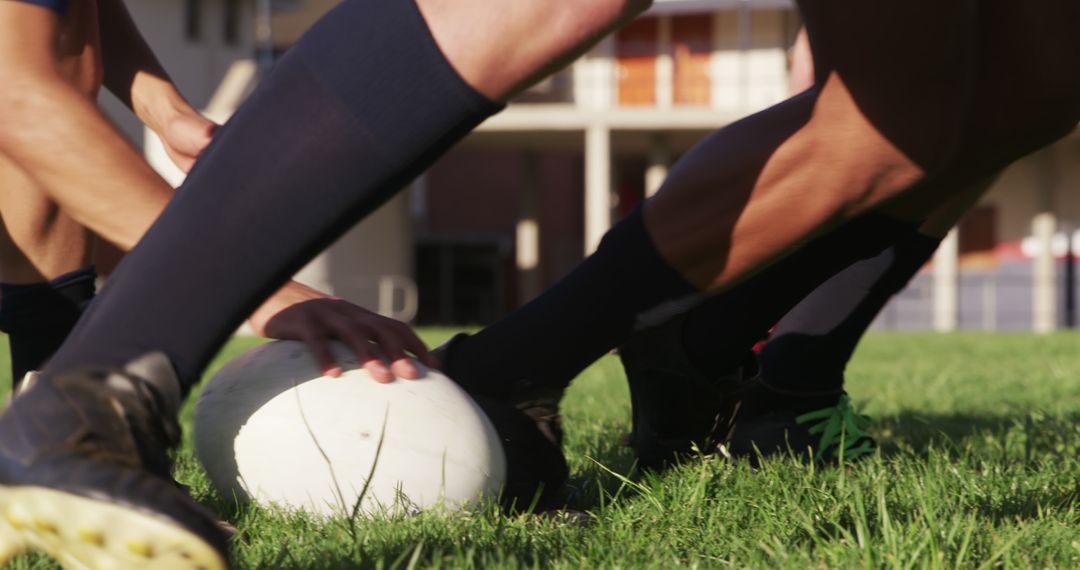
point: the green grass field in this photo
(979, 468)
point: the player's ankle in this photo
(764, 397)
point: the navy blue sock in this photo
(37, 317)
(362, 104)
(812, 344)
(719, 333)
(547, 342)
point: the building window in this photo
(691, 43)
(193, 19)
(463, 280)
(636, 47)
(232, 22)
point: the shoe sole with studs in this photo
(84, 533)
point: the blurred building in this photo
(526, 196)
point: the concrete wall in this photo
(1049, 178)
(197, 65)
(372, 264)
(478, 192)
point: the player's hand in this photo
(301, 313)
(185, 134)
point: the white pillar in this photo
(527, 232)
(1044, 274)
(745, 27)
(946, 294)
(656, 171)
(723, 64)
(597, 185)
(665, 64)
(594, 76)
(418, 203)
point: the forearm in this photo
(291, 294)
(105, 186)
(132, 71)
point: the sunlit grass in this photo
(979, 468)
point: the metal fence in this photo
(991, 300)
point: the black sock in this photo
(38, 316)
(812, 344)
(551, 339)
(719, 333)
(363, 103)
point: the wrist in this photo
(291, 294)
(157, 103)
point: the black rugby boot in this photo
(85, 475)
(677, 410)
(526, 416)
(815, 428)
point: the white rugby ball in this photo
(270, 427)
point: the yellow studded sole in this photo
(85, 534)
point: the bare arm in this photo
(132, 71)
(134, 74)
(70, 149)
(60, 137)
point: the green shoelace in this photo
(841, 428)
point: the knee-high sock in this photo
(626, 285)
(718, 334)
(37, 317)
(361, 105)
(812, 344)
(587, 313)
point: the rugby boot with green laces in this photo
(526, 417)
(678, 412)
(821, 428)
(85, 475)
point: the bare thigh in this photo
(38, 241)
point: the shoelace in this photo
(840, 428)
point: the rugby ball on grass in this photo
(271, 428)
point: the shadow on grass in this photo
(1008, 514)
(1031, 504)
(477, 540)
(1022, 435)
(1032, 440)
(603, 474)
